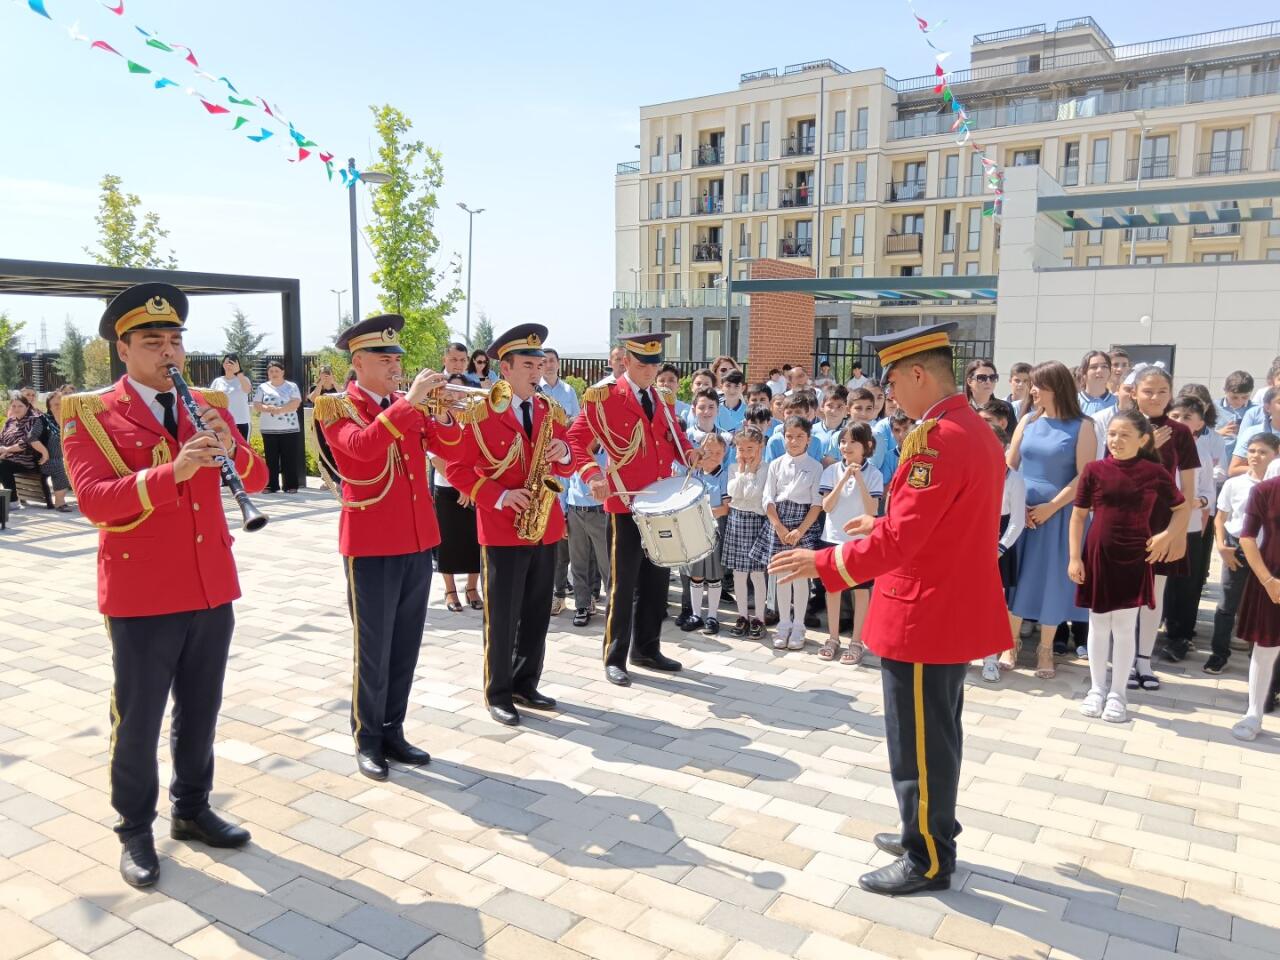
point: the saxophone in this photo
(531, 525)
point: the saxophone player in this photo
(513, 455)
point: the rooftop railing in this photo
(630, 166)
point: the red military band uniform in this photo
(381, 457)
(640, 452)
(495, 456)
(936, 600)
(163, 546)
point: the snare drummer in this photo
(636, 425)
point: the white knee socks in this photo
(740, 591)
(1261, 665)
(711, 593)
(1112, 633)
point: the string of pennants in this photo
(253, 117)
(961, 127)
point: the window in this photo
(762, 145)
(837, 235)
(835, 189)
(860, 136)
(976, 176)
(833, 273)
(660, 251)
(1068, 239)
(1155, 157)
(1071, 164)
(744, 134)
(675, 281)
(1148, 260)
(949, 185)
(764, 240)
(1273, 228)
(913, 223)
(1227, 154)
(657, 147)
(858, 220)
(1094, 238)
(948, 270)
(1273, 254)
(948, 231)
(1026, 158)
(971, 268)
(973, 236)
(837, 134)
(859, 182)
(662, 281)
(855, 272)
(744, 242)
(1216, 257)
(675, 246)
(681, 335)
(909, 271)
(1093, 262)
(1101, 157)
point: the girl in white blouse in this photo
(745, 527)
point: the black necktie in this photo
(167, 401)
(646, 401)
(384, 402)
(526, 413)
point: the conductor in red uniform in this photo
(637, 427)
(166, 577)
(933, 609)
(504, 442)
(386, 531)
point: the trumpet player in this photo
(386, 531)
(147, 477)
(511, 461)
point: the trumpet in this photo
(453, 399)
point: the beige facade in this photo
(857, 174)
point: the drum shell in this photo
(675, 522)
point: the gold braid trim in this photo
(214, 398)
(498, 467)
(473, 412)
(595, 394)
(86, 407)
(917, 442)
(556, 412)
(329, 408)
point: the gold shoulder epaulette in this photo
(330, 407)
(214, 398)
(76, 405)
(917, 441)
(555, 411)
(599, 390)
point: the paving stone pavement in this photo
(725, 812)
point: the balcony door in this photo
(1227, 148)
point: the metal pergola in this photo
(38, 278)
(981, 287)
(1250, 201)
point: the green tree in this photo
(10, 364)
(97, 364)
(482, 332)
(123, 240)
(70, 362)
(404, 239)
(242, 340)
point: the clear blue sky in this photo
(532, 105)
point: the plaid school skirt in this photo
(740, 535)
(791, 514)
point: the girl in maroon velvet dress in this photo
(1259, 620)
(1152, 394)
(1124, 492)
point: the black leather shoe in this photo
(534, 700)
(210, 829)
(657, 662)
(402, 751)
(506, 716)
(890, 843)
(139, 865)
(372, 765)
(902, 877)
(617, 676)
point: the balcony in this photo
(858, 191)
(949, 187)
(898, 244)
(858, 140)
(1069, 175)
(799, 145)
(673, 207)
(706, 251)
(835, 193)
(706, 205)
(760, 201)
(741, 202)
(655, 209)
(655, 163)
(791, 247)
(673, 160)
(630, 166)
(677, 299)
(742, 153)
(708, 156)
(948, 242)
(902, 191)
(795, 197)
(1145, 234)
(835, 141)
(1216, 230)
(1151, 168)
(975, 184)
(762, 150)
(1097, 173)
(1222, 162)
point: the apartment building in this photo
(857, 174)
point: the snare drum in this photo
(675, 522)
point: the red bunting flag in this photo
(213, 107)
(118, 9)
(103, 45)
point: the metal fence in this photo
(594, 369)
(842, 352)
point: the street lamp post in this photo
(471, 222)
(372, 177)
(339, 294)
(1142, 142)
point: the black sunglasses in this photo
(985, 377)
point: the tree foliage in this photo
(482, 332)
(404, 239)
(10, 365)
(242, 340)
(123, 240)
(97, 364)
(70, 362)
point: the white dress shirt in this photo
(149, 395)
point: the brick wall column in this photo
(781, 323)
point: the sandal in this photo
(1045, 670)
(1009, 658)
(453, 605)
(852, 655)
(829, 650)
(474, 602)
(1140, 680)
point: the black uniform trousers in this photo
(517, 611)
(1182, 594)
(185, 653)
(637, 595)
(922, 706)
(387, 598)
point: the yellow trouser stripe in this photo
(484, 578)
(922, 771)
(355, 647)
(613, 584)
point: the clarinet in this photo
(251, 517)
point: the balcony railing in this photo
(631, 166)
(702, 205)
(859, 140)
(655, 163)
(678, 298)
(791, 247)
(762, 150)
(1143, 234)
(673, 207)
(1178, 92)
(835, 193)
(795, 197)
(1011, 34)
(797, 145)
(900, 191)
(708, 156)
(949, 187)
(900, 243)
(1152, 168)
(760, 200)
(1097, 172)
(1215, 230)
(673, 160)
(1069, 175)
(1222, 162)
(655, 209)
(835, 141)
(948, 242)
(741, 202)
(706, 251)
(858, 191)
(975, 184)
(742, 153)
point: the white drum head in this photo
(667, 496)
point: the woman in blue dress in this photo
(1049, 448)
